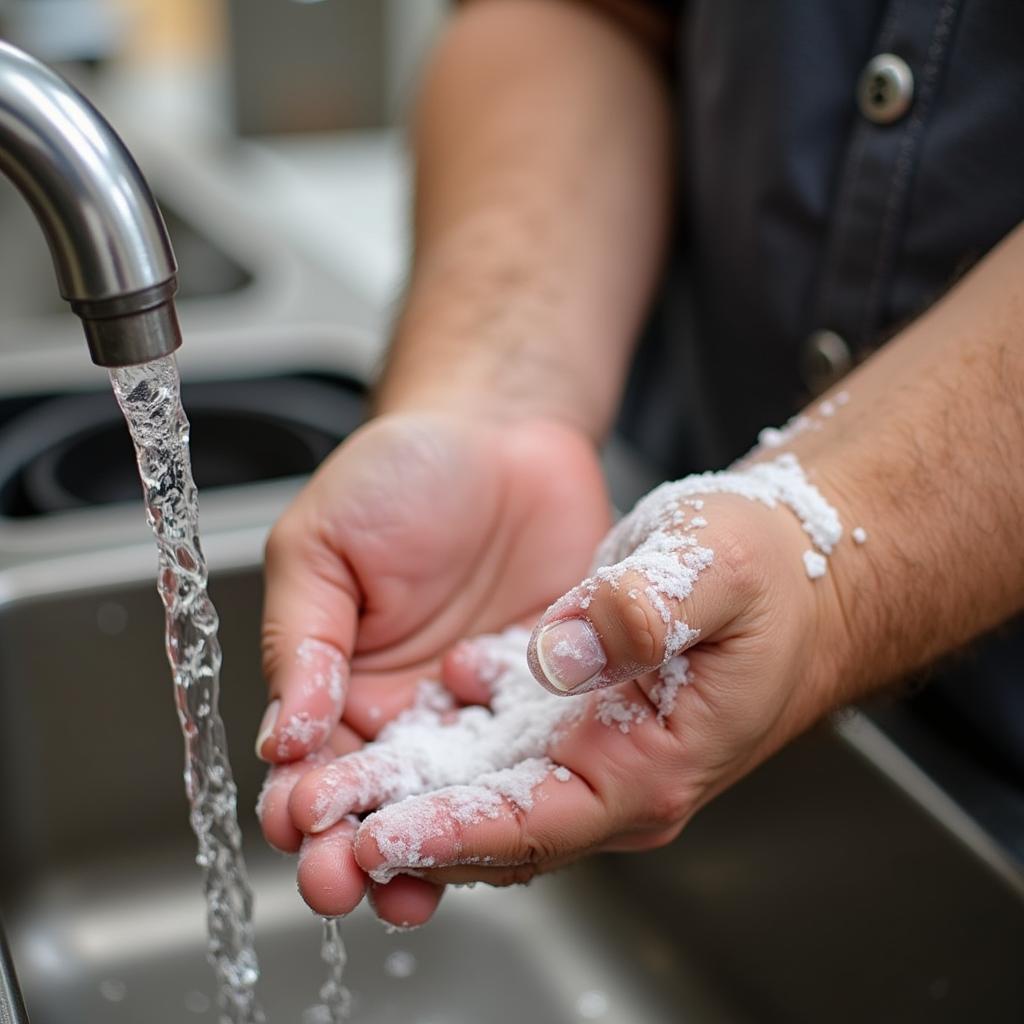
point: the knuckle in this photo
(532, 851)
(662, 837)
(280, 541)
(737, 560)
(528, 848)
(517, 874)
(668, 807)
(271, 640)
(642, 630)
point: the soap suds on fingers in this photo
(302, 730)
(656, 544)
(614, 710)
(680, 636)
(779, 437)
(816, 564)
(402, 830)
(437, 769)
(673, 675)
(501, 749)
(324, 669)
(323, 678)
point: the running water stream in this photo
(149, 396)
(336, 1005)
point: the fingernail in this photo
(570, 653)
(267, 726)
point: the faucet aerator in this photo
(109, 244)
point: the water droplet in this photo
(113, 990)
(592, 1005)
(400, 964)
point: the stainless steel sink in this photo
(246, 298)
(824, 887)
(27, 288)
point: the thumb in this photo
(629, 618)
(309, 625)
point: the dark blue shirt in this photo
(802, 212)
(842, 163)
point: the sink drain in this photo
(73, 451)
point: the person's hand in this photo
(639, 758)
(418, 531)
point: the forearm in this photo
(927, 457)
(542, 150)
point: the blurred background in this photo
(270, 132)
(198, 71)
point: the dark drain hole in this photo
(73, 452)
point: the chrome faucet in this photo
(108, 240)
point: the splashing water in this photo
(149, 396)
(335, 1006)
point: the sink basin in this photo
(67, 452)
(27, 287)
(820, 888)
(246, 298)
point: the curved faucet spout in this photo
(108, 240)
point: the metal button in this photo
(825, 358)
(885, 89)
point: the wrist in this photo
(490, 328)
(440, 376)
(809, 560)
(859, 652)
(495, 431)
(858, 645)
(493, 380)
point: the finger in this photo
(343, 740)
(500, 876)
(634, 617)
(463, 672)
(330, 880)
(272, 804)
(473, 825)
(472, 667)
(521, 874)
(309, 624)
(312, 697)
(375, 700)
(359, 782)
(385, 771)
(405, 902)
